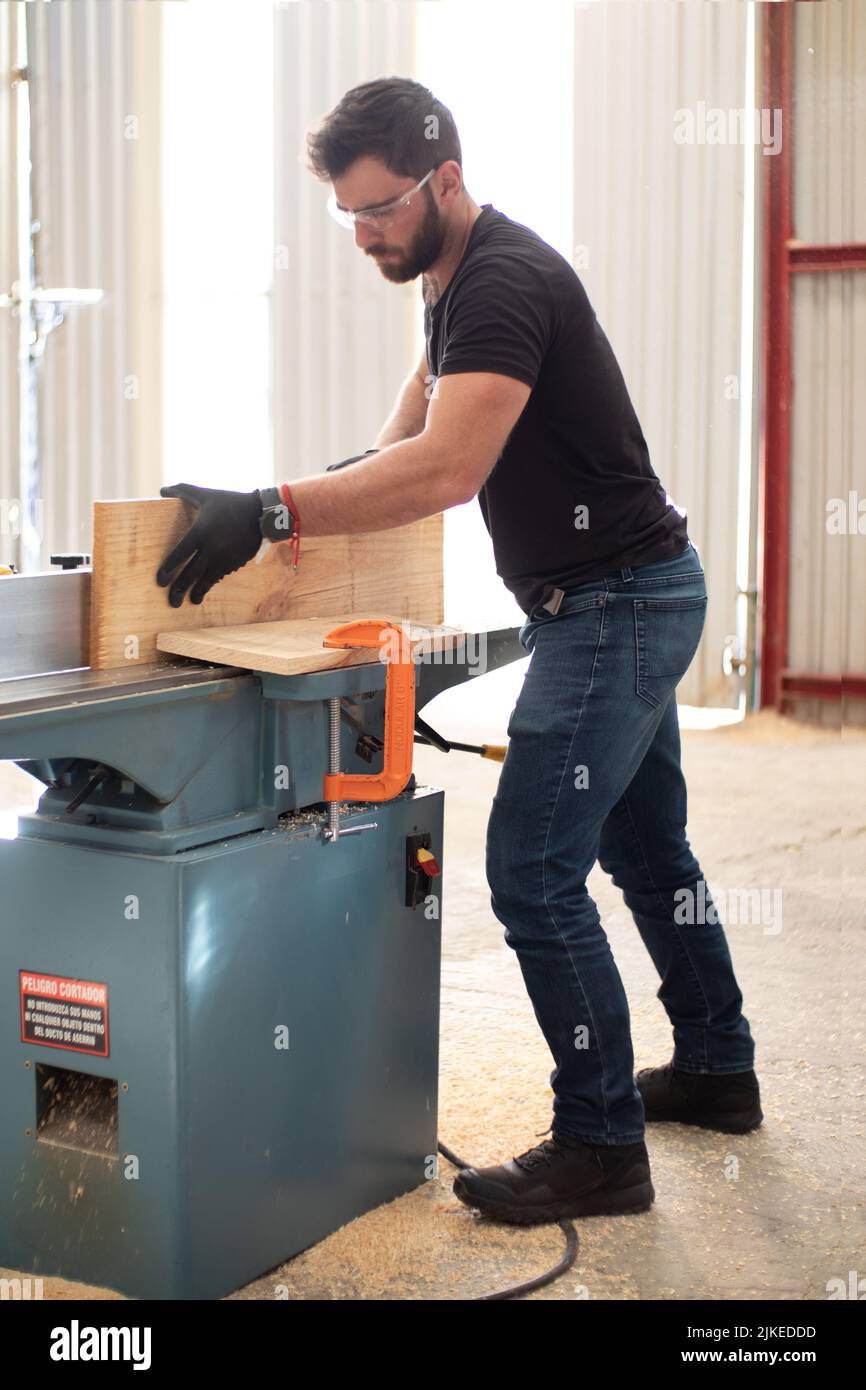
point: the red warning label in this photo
(60, 1012)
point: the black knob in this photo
(70, 561)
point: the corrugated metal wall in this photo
(95, 154)
(9, 18)
(343, 339)
(827, 632)
(216, 206)
(660, 224)
(659, 221)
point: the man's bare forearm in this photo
(402, 483)
(408, 417)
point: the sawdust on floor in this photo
(771, 1215)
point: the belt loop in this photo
(626, 573)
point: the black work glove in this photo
(223, 537)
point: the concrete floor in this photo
(771, 1215)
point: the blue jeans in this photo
(593, 772)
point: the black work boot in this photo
(561, 1177)
(727, 1101)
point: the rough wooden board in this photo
(396, 571)
(293, 647)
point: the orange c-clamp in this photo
(399, 716)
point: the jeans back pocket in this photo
(667, 633)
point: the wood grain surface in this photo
(295, 646)
(397, 571)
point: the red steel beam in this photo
(775, 450)
(806, 685)
(806, 256)
(784, 256)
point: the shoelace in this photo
(656, 1071)
(541, 1153)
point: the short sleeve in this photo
(499, 319)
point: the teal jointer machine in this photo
(219, 980)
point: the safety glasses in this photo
(380, 217)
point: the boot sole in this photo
(725, 1124)
(626, 1202)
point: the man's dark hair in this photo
(391, 119)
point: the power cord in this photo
(561, 1267)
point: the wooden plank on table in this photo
(293, 647)
(396, 571)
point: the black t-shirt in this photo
(573, 495)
